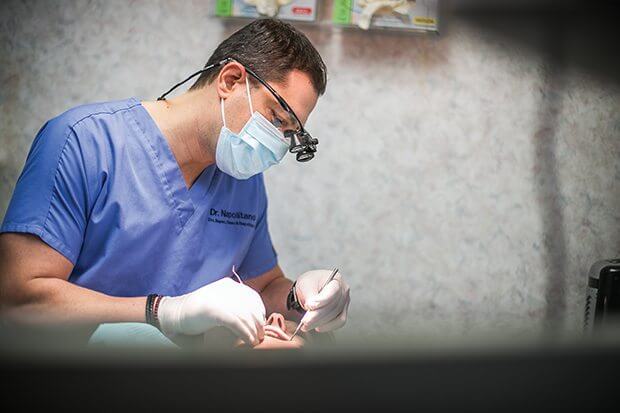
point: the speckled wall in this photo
(464, 182)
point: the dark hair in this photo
(271, 48)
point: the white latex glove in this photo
(327, 310)
(221, 303)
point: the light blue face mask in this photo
(255, 148)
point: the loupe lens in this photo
(295, 149)
(304, 156)
(301, 144)
(296, 144)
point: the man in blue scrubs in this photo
(133, 211)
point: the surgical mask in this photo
(255, 148)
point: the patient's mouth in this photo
(276, 332)
(276, 327)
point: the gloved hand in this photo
(327, 310)
(221, 303)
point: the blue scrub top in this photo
(102, 187)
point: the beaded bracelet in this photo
(152, 305)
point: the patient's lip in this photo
(276, 327)
(274, 331)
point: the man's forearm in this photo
(274, 296)
(49, 299)
(34, 288)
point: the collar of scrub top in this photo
(301, 142)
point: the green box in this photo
(342, 11)
(223, 8)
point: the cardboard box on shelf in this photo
(419, 15)
(297, 10)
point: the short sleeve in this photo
(261, 255)
(50, 199)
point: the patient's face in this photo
(277, 334)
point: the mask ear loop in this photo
(241, 282)
(247, 88)
(222, 109)
(236, 275)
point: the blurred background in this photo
(465, 181)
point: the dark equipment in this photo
(603, 295)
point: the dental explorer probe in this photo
(331, 277)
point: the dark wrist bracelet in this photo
(291, 300)
(152, 305)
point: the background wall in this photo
(464, 184)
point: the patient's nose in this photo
(276, 319)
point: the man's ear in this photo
(231, 75)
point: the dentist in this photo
(132, 211)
